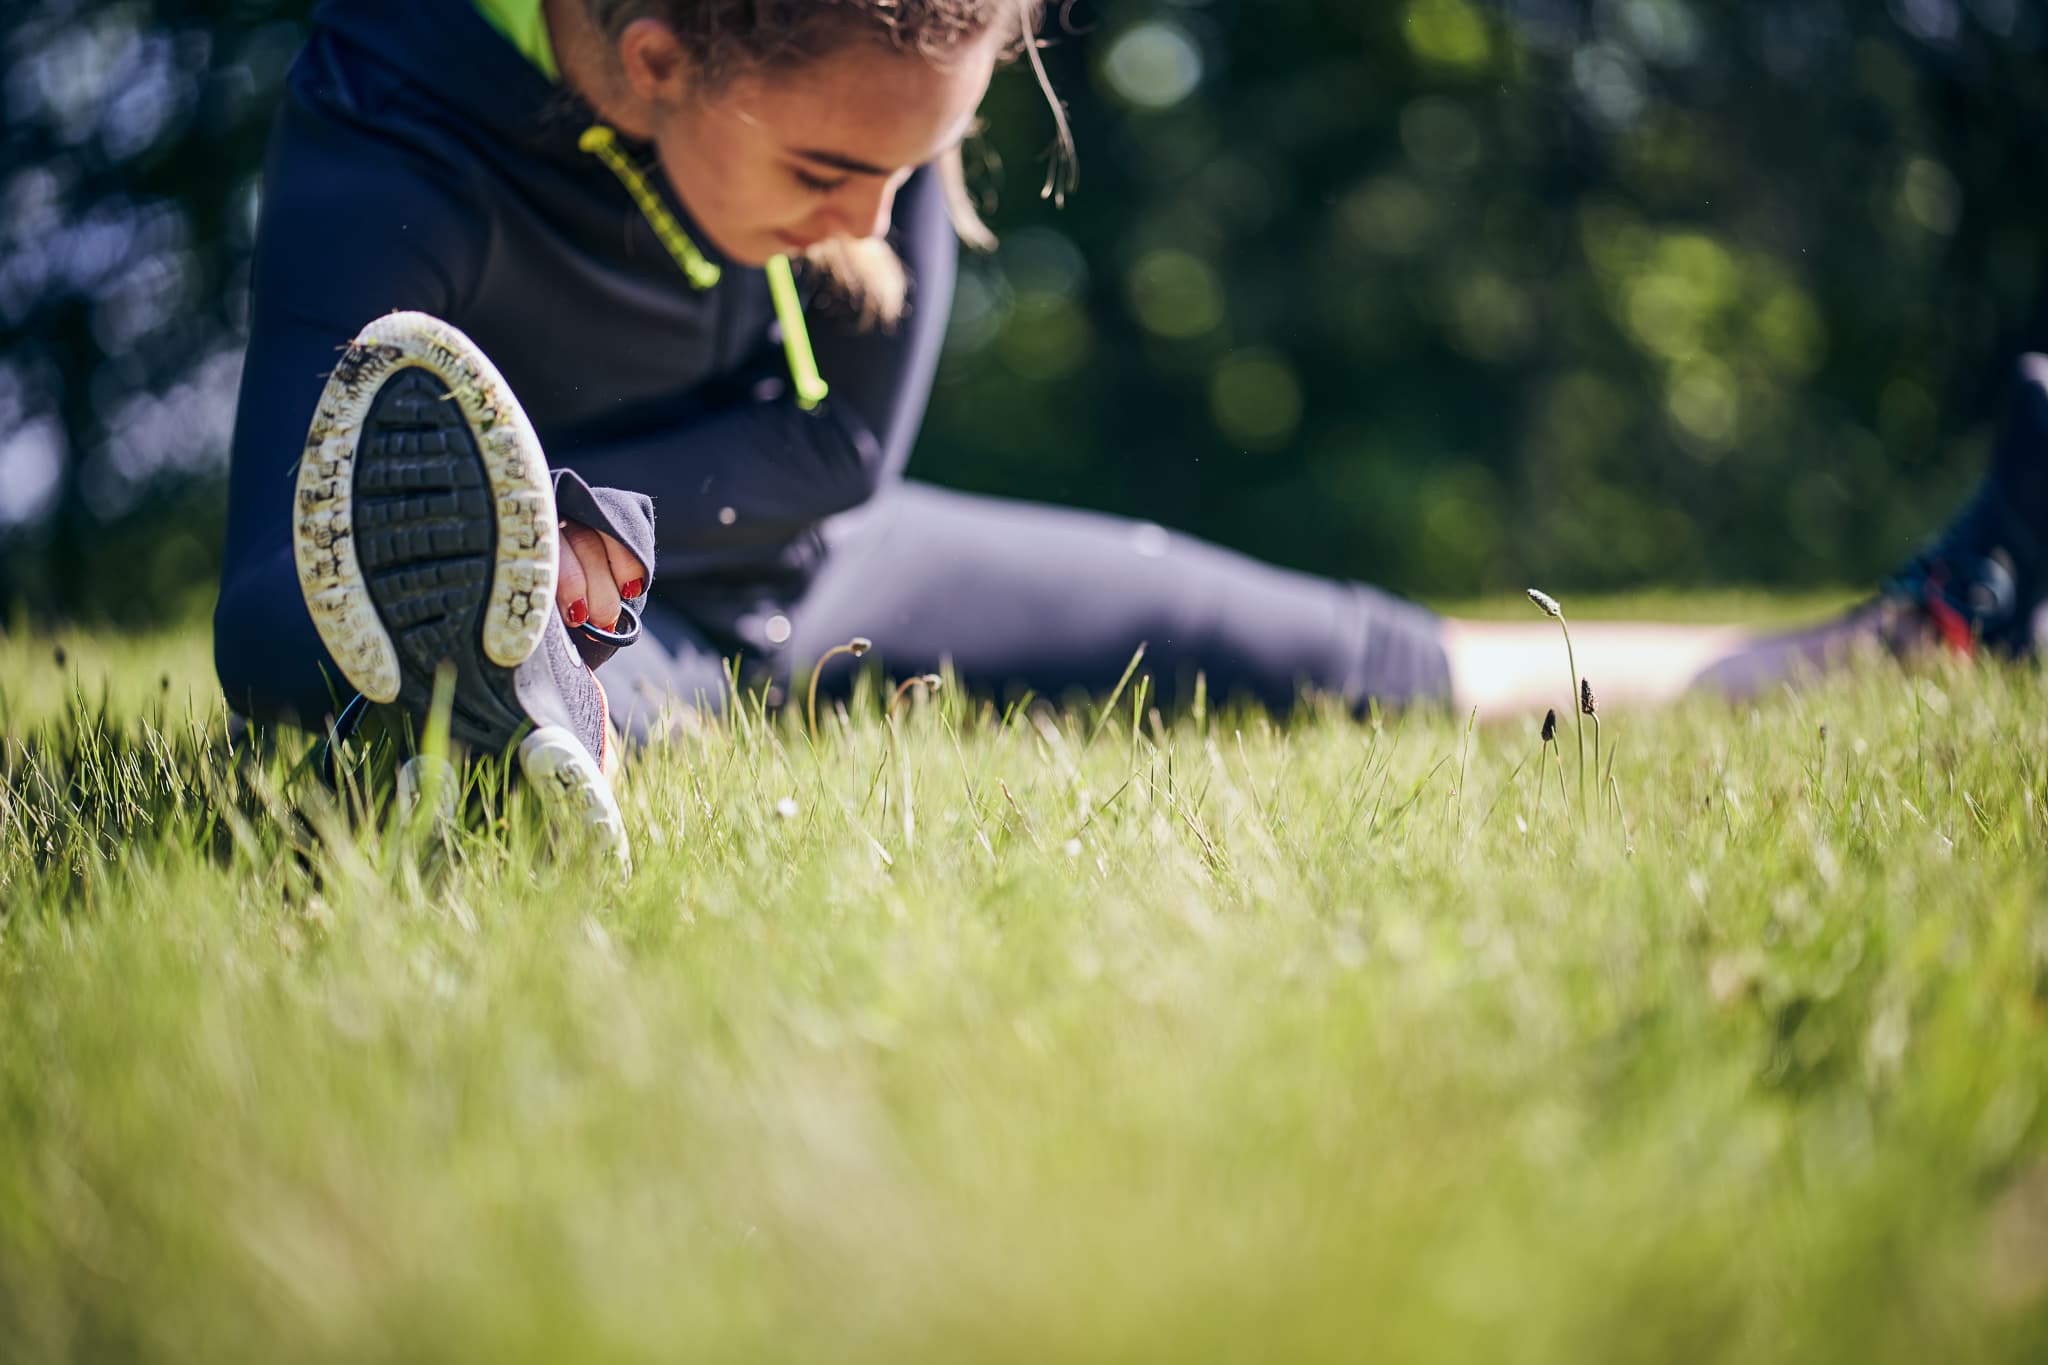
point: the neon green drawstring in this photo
(602, 143)
(796, 340)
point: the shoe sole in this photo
(425, 525)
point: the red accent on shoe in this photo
(1955, 631)
(631, 590)
(579, 612)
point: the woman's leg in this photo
(1017, 595)
(272, 665)
(1020, 596)
(671, 672)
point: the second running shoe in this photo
(1982, 585)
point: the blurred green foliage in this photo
(1457, 297)
(1445, 295)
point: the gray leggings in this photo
(1018, 596)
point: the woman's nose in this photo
(867, 214)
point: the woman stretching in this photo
(561, 232)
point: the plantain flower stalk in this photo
(929, 681)
(1550, 607)
(857, 646)
(1589, 706)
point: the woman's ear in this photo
(655, 64)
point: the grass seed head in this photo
(1546, 603)
(1550, 725)
(1586, 702)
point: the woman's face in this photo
(772, 164)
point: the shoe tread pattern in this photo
(427, 542)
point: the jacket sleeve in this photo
(757, 470)
(353, 227)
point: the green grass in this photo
(1023, 1039)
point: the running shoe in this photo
(425, 529)
(1979, 586)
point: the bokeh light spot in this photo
(1930, 197)
(1390, 215)
(1046, 338)
(31, 467)
(1490, 317)
(1934, 21)
(1665, 31)
(980, 305)
(1256, 400)
(1689, 282)
(1040, 261)
(1702, 399)
(1610, 83)
(1175, 294)
(1789, 329)
(1449, 32)
(1153, 65)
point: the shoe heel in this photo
(323, 527)
(576, 793)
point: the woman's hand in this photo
(597, 574)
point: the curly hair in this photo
(725, 36)
(728, 38)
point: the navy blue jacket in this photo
(421, 162)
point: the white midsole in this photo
(576, 791)
(522, 592)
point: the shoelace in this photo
(602, 142)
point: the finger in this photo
(571, 587)
(627, 570)
(598, 588)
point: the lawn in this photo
(1034, 1035)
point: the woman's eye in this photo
(815, 184)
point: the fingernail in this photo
(579, 612)
(634, 588)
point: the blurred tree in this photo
(133, 141)
(1442, 294)
(1453, 296)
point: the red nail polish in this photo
(579, 612)
(633, 589)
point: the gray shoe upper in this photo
(557, 688)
